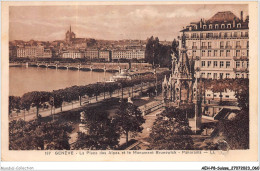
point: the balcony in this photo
(221, 47)
(243, 58)
(197, 58)
(228, 47)
(194, 47)
(203, 47)
(240, 69)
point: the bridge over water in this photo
(99, 67)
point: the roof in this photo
(223, 16)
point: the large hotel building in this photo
(220, 46)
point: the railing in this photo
(194, 47)
(221, 47)
(240, 58)
(228, 47)
(203, 47)
(240, 69)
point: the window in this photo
(209, 45)
(238, 53)
(203, 75)
(239, 25)
(221, 45)
(210, 26)
(235, 34)
(242, 64)
(216, 26)
(237, 44)
(209, 53)
(222, 26)
(246, 34)
(247, 64)
(229, 26)
(203, 63)
(242, 34)
(237, 64)
(221, 75)
(227, 96)
(247, 44)
(204, 26)
(227, 75)
(203, 44)
(215, 52)
(209, 63)
(209, 75)
(221, 52)
(237, 75)
(228, 53)
(221, 64)
(215, 64)
(228, 64)
(215, 75)
(194, 53)
(203, 53)
(228, 44)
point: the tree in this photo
(129, 119)
(37, 135)
(171, 131)
(236, 131)
(152, 50)
(14, 103)
(103, 134)
(175, 48)
(35, 99)
(165, 58)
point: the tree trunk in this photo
(122, 93)
(61, 107)
(37, 112)
(126, 136)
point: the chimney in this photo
(201, 23)
(241, 15)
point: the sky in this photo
(109, 22)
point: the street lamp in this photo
(52, 105)
(156, 90)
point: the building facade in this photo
(220, 46)
(128, 54)
(105, 54)
(91, 54)
(33, 52)
(72, 54)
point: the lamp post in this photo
(52, 105)
(156, 90)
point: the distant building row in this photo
(107, 55)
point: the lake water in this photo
(23, 80)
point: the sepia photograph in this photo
(104, 78)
